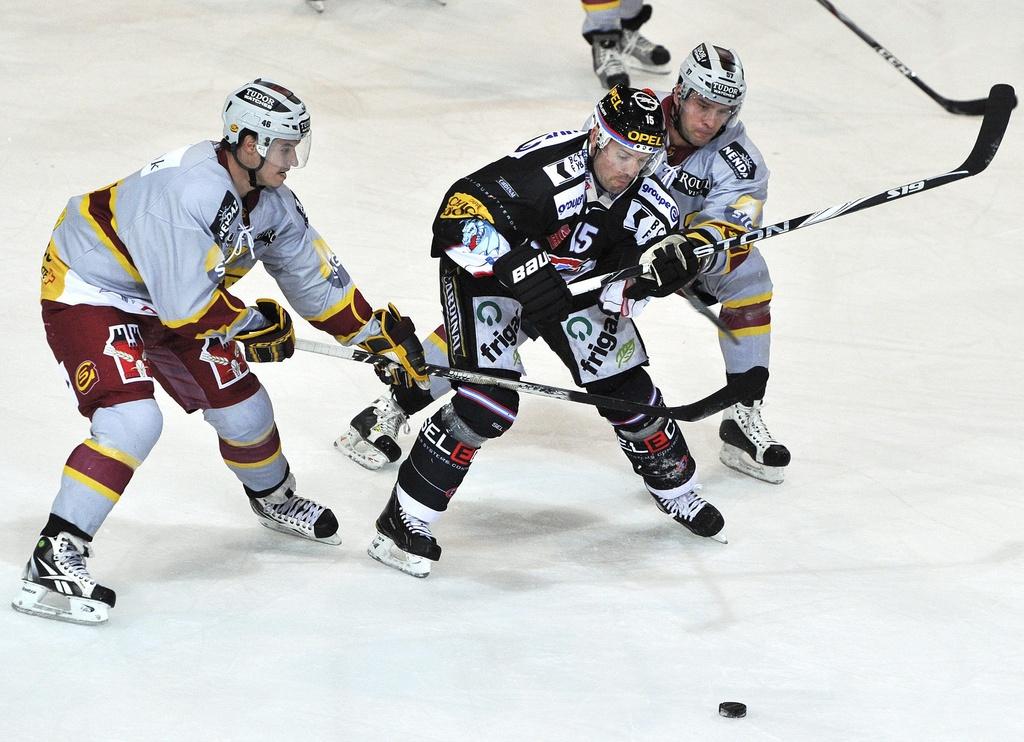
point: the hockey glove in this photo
(670, 265)
(276, 341)
(534, 283)
(396, 340)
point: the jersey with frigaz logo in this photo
(169, 239)
(544, 194)
(720, 188)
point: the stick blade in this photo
(1000, 102)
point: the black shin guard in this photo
(439, 459)
(658, 452)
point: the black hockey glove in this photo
(671, 265)
(534, 283)
(276, 341)
(397, 341)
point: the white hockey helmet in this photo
(714, 73)
(271, 112)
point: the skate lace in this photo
(685, 506)
(415, 525)
(753, 425)
(72, 561)
(637, 45)
(608, 60)
(390, 418)
(299, 510)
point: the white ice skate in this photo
(284, 511)
(372, 437)
(606, 51)
(641, 53)
(317, 5)
(748, 446)
(56, 583)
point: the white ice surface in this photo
(876, 595)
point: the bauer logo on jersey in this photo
(573, 166)
(464, 206)
(226, 361)
(226, 214)
(691, 185)
(124, 345)
(570, 202)
(739, 160)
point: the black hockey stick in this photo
(965, 107)
(999, 104)
(742, 388)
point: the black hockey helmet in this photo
(633, 118)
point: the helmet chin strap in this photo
(250, 170)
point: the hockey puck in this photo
(732, 709)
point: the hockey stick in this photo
(965, 107)
(730, 394)
(999, 104)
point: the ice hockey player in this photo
(135, 288)
(720, 186)
(719, 183)
(612, 28)
(509, 237)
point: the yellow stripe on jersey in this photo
(218, 295)
(91, 484)
(347, 302)
(112, 453)
(101, 233)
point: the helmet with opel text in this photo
(633, 118)
(271, 112)
(714, 73)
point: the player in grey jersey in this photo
(720, 185)
(135, 289)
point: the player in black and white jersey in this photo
(509, 237)
(719, 184)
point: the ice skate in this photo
(748, 447)
(282, 510)
(641, 53)
(404, 541)
(372, 437)
(606, 50)
(317, 5)
(693, 511)
(56, 583)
